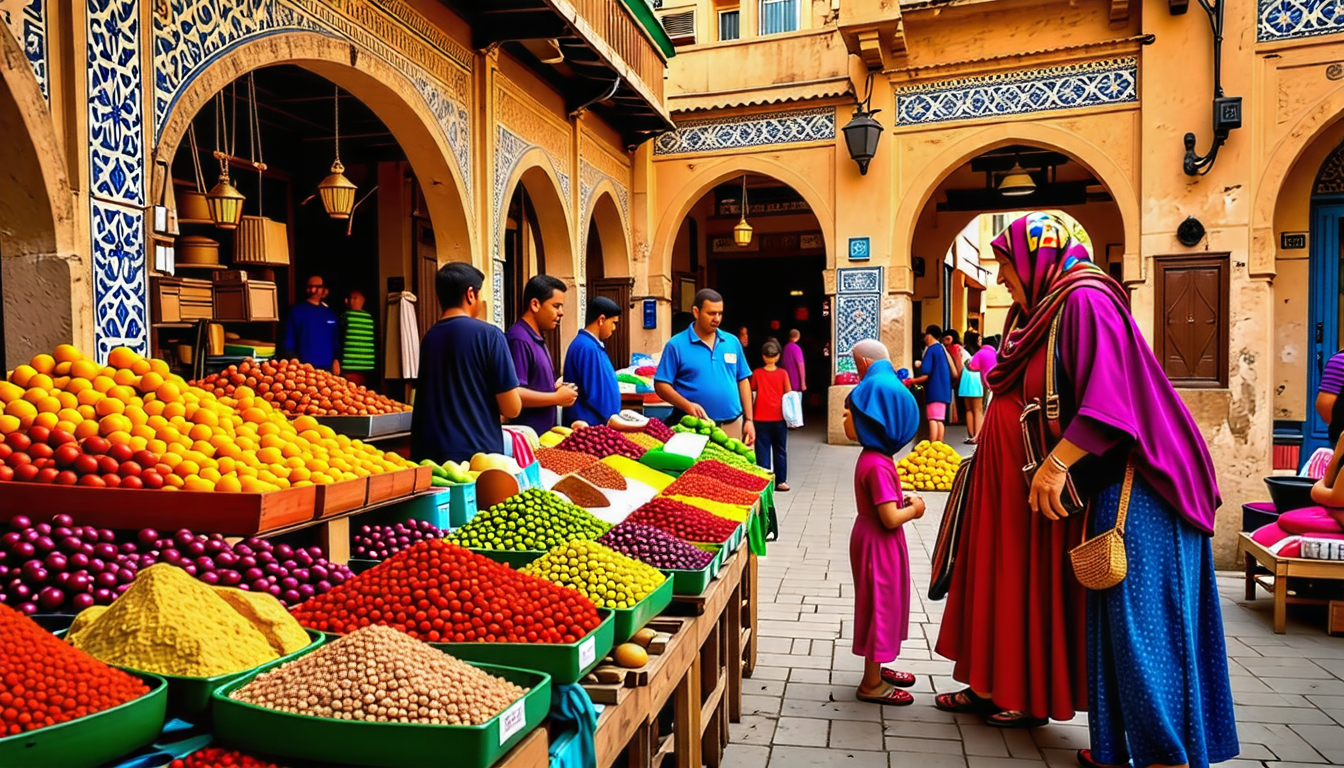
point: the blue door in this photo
(1324, 313)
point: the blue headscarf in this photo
(885, 414)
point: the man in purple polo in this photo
(792, 362)
(541, 392)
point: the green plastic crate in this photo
(631, 620)
(391, 745)
(95, 739)
(692, 583)
(566, 663)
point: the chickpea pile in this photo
(378, 674)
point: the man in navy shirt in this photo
(588, 366)
(312, 330)
(467, 385)
(936, 376)
(704, 373)
(544, 305)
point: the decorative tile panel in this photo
(792, 127)
(497, 293)
(590, 176)
(1071, 86)
(1287, 19)
(509, 149)
(119, 278)
(27, 19)
(116, 126)
(856, 318)
(858, 280)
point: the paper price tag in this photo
(512, 721)
(587, 652)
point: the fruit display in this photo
(299, 388)
(531, 520)
(630, 655)
(429, 687)
(219, 757)
(718, 453)
(172, 624)
(733, 476)
(379, 542)
(190, 438)
(47, 681)
(483, 461)
(603, 476)
(705, 487)
(554, 437)
(644, 440)
(929, 467)
(716, 435)
(601, 441)
(606, 577)
(683, 521)
(735, 512)
(633, 470)
(658, 431)
(655, 547)
(449, 473)
(440, 592)
(564, 462)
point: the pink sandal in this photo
(893, 697)
(898, 679)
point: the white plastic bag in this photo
(793, 409)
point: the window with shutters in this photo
(680, 27)
(780, 16)
(1192, 327)
(728, 21)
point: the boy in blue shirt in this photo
(588, 366)
(312, 330)
(936, 376)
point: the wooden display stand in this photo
(1281, 569)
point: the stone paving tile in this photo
(799, 707)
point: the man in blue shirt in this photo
(312, 330)
(467, 385)
(544, 302)
(588, 366)
(704, 372)
(936, 376)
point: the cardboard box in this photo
(253, 301)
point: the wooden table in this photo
(532, 752)
(1281, 569)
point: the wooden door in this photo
(426, 276)
(618, 290)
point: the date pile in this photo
(655, 547)
(684, 521)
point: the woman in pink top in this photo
(981, 363)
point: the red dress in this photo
(1015, 617)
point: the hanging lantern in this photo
(225, 201)
(338, 192)
(742, 232)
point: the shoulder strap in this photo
(1126, 491)
(1052, 377)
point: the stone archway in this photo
(46, 299)
(380, 86)
(535, 173)
(608, 224)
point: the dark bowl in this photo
(1289, 493)
(1257, 515)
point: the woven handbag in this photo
(1100, 562)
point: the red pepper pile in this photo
(733, 476)
(601, 441)
(217, 757)
(440, 592)
(45, 681)
(684, 521)
(704, 487)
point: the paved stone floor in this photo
(799, 707)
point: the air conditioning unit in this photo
(680, 27)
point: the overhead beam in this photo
(492, 30)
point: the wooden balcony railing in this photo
(615, 25)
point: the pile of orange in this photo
(299, 388)
(238, 442)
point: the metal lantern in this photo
(338, 192)
(225, 201)
(861, 135)
(742, 232)
(1017, 183)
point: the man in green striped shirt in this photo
(357, 339)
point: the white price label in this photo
(512, 721)
(587, 652)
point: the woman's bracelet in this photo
(1060, 465)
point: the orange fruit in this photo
(87, 411)
(49, 404)
(84, 369)
(141, 367)
(160, 367)
(43, 363)
(137, 416)
(150, 382)
(206, 417)
(41, 381)
(48, 420)
(9, 392)
(125, 377)
(155, 408)
(205, 449)
(35, 395)
(103, 383)
(157, 447)
(141, 430)
(122, 392)
(229, 484)
(90, 396)
(71, 415)
(114, 423)
(186, 468)
(254, 415)
(168, 392)
(61, 370)
(138, 443)
(122, 357)
(68, 400)
(66, 426)
(173, 410)
(173, 481)
(109, 406)
(21, 409)
(22, 375)
(87, 428)
(119, 438)
(67, 353)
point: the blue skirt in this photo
(1156, 659)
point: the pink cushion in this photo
(1291, 549)
(1269, 535)
(1309, 520)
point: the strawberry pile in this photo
(683, 521)
(733, 476)
(705, 487)
(440, 592)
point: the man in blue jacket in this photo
(588, 366)
(312, 330)
(935, 373)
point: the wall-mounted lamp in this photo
(862, 132)
(1226, 109)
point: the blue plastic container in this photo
(445, 508)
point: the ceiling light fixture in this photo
(1017, 182)
(338, 192)
(742, 232)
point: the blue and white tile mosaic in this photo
(858, 280)
(27, 19)
(856, 318)
(792, 127)
(860, 248)
(119, 278)
(1288, 19)
(1071, 86)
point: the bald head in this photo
(867, 352)
(794, 335)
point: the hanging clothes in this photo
(402, 340)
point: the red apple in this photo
(44, 462)
(18, 459)
(18, 441)
(92, 481)
(121, 452)
(107, 465)
(150, 477)
(60, 437)
(47, 475)
(66, 454)
(25, 473)
(86, 464)
(132, 482)
(6, 472)
(39, 434)
(112, 480)
(129, 469)
(67, 477)
(145, 458)
(96, 446)
(40, 451)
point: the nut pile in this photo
(684, 521)
(655, 547)
(439, 592)
(729, 475)
(378, 674)
(601, 441)
(705, 487)
(298, 388)
(563, 462)
(603, 476)
(608, 578)
(532, 520)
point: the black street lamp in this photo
(861, 135)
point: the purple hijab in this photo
(1120, 392)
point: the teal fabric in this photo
(574, 719)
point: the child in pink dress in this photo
(882, 416)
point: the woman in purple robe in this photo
(1157, 683)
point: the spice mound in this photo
(603, 476)
(731, 475)
(378, 674)
(683, 521)
(705, 487)
(269, 617)
(440, 592)
(171, 624)
(609, 579)
(43, 681)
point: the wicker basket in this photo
(260, 240)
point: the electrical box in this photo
(650, 314)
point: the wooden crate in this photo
(241, 514)
(391, 485)
(260, 240)
(167, 300)
(341, 497)
(253, 301)
(197, 299)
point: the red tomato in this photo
(151, 478)
(67, 454)
(96, 446)
(67, 477)
(107, 465)
(132, 482)
(18, 459)
(145, 459)
(92, 481)
(25, 472)
(40, 450)
(18, 441)
(39, 434)
(121, 452)
(129, 469)
(112, 480)
(60, 437)
(6, 472)
(86, 464)
(47, 475)
(5, 451)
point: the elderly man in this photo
(867, 352)
(704, 373)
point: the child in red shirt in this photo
(770, 384)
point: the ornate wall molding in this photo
(27, 19)
(1330, 178)
(590, 176)
(534, 125)
(1288, 19)
(858, 308)
(1070, 86)
(509, 149)
(497, 292)
(791, 127)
